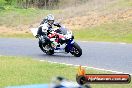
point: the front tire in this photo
(76, 50)
(41, 46)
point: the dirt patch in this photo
(8, 30)
(94, 19)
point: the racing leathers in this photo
(46, 32)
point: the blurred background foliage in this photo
(43, 4)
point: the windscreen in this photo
(63, 30)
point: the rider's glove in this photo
(57, 24)
(37, 35)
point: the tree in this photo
(9, 1)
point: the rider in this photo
(49, 22)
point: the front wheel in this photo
(76, 50)
(42, 47)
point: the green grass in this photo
(2, 2)
(119, 31)
(119, 4)
(113, 32)
(23, 70)
(15, 35)
(124, 3)
(14, 17)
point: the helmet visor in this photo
(51, 22)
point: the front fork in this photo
(69, 45)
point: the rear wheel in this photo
(42, 47)
(76, 50)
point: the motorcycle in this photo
(62, 41)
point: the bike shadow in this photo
(57, 56)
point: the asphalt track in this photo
(113, 56)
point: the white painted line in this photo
(69, 64)
(42, 60)
(123, 43)
(52, 62)
(101, 69)
(84, 66)
(76, 65)
(84, 41)
(87, 67)
(62, 63)
(106, 42)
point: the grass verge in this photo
(119, 31)
(114, 32)
(13, 17)
(23, 70)
(15, 35)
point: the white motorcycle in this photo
(57, 46)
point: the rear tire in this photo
(77, 51)
(41, 46)
(50, 52)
